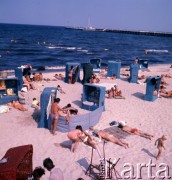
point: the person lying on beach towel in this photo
(108, 137)
(17, 105)
(122, 125)
(82, 136)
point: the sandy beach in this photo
(18, 128)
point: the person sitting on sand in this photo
(116, 91)
(35, 104)
(167, 75)
(17, 105)
(85, 138)
(122, 125)
(108, 137)
(160, 145)
(41, 77)
(110, 93)
(57, 111)
(59, 88)
(55, 173)
(29, 84)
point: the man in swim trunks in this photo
(55, 112)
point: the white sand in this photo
(18, 128)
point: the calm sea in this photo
(53, 46)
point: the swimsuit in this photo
(85, 139)
(134, 130)
(53, 117)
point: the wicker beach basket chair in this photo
(19, 163)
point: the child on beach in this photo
(35, 104)
(160, 145)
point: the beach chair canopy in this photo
(96, 62)
(93, 96)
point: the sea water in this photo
(52, 46)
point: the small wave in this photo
(82, 50)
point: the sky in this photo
(145, 15)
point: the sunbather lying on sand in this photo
(122, 125)
(17, 105)
(82, 136)
(108, 137)
(59, 76)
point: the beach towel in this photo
(49, 107)
(4, 109)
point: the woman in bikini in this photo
(84, 137)
(122, 125)
(108, 137)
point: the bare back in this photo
(55, 109)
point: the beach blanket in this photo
(117, 132)
(4, 109)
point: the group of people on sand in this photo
(79, 135)
(94, 79)
(114, 92)
(57, 111)
(36, 77)
(160, 141)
